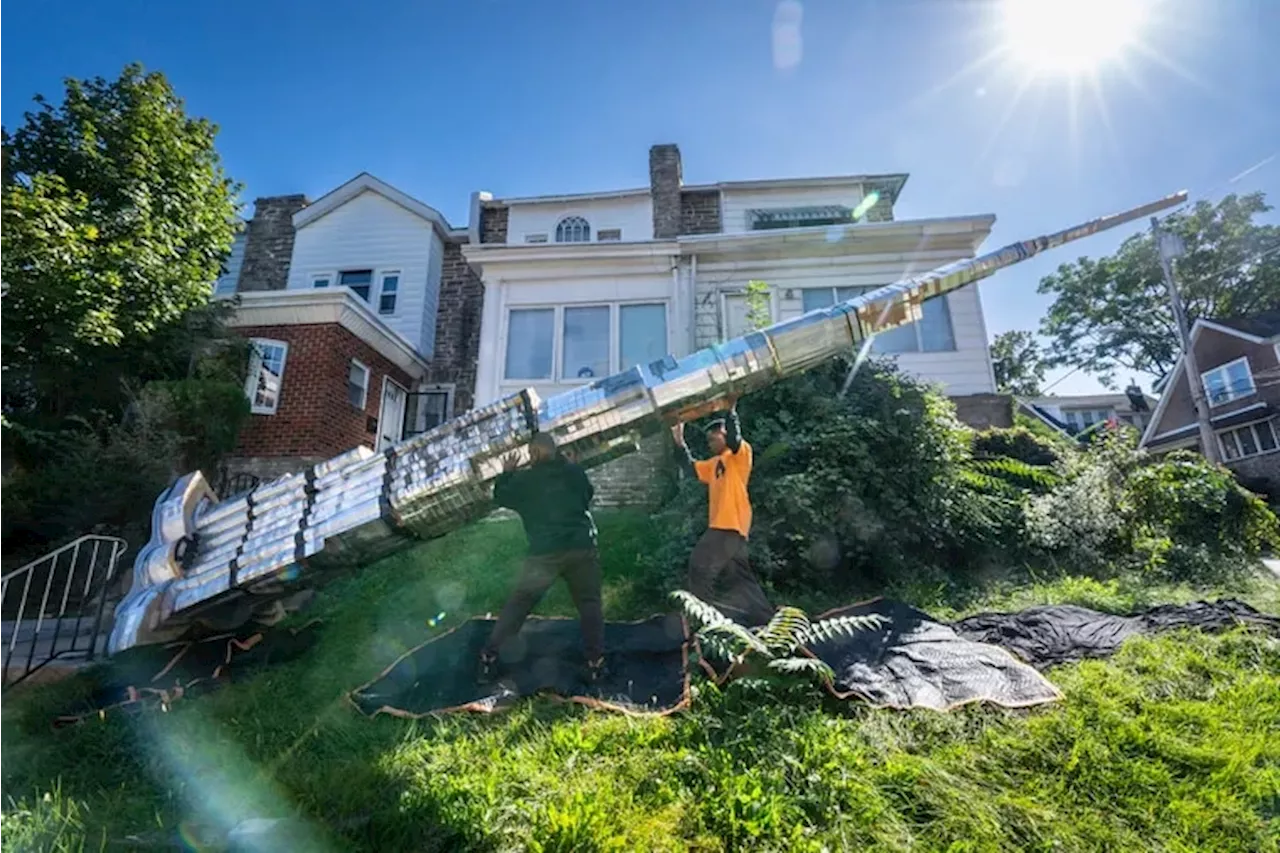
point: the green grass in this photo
(1174, 744)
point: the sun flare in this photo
(1071, 37)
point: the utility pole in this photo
(1170, 246)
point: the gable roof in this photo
(1255, 328)
(365, 182)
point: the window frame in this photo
(373, 279)
(557, 337)
(382, 276)
(250, 381)
(327, 277)
(916, 324)
(728, 295)
(368, 379)
(448, 389)
(587, 231)
(1224, 369)
(1254, 427)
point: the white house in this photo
(580, 286)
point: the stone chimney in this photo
(664, 190)
(268, 245)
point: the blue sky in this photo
(522, 98)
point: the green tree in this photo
(1113, 313)
(117, 217)
(1018, 363)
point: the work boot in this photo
(597, 670)
(488, 671)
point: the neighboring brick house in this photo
(365, 318)
(1239, 361)
(577, 287)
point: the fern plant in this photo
(779, 645)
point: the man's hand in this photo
(677, 433)
(511, 461)
(732, 399)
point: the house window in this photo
(798, 217)
(1249, 440)
(573, 229)
(357, 384)
(605, 235)
(266, 373)
(1079, 419)
(1228, 382)
(642, 334)
(585, 351)
(580, 343)
(320, 280)
(932, 333)
(357, 280)
(390, 287)
(535, 238)
(428, 409)
(530, 343)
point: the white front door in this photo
(391, 419)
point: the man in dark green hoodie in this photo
(552, 497)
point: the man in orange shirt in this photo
(719, 571)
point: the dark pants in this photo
(720, 574)
(581, 571)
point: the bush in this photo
(207, 414)
(851, 492)
(1192, 521)
(1015, 443)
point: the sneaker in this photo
(597, 670)
(488, 672)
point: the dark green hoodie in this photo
(552, 498)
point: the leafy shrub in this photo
(1015, 443)
(207, 415)
(1193, 522)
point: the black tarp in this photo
(648, 663)
(1063, 633)
(912, 661)
(157, 676)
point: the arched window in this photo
(573, 229)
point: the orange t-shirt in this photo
(726, 475)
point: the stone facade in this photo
(984, 411)
(664, 190)
(638, 479)
(882, 210)
(268, 247)
(1261, 473)
(457, 349)
(700, 212)
(314, 419)
(493, 223)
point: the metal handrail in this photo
(91, 603)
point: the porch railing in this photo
(54, 607)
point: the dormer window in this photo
(798, 217)
(573, 229)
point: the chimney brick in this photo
(268, 247)
(664, 189)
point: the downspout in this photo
(691, 334)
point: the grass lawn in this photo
(1174, 744)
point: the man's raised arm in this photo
(733, 429)
(684, 456)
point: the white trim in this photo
(897, 180)
(1219, 417)
(382, 276)
(1231, 398)
(338, 305)
(364, 385)
(574, 197)
(553, 251)
(382, 408)
(365, 182)
(557, 309)
(250, 381)
(330, 279)
(1226, 330)
(1149, 434)
(975, 228)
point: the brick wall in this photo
(314, 418)
(664, 190)
(493, 223)
(268, 247)
(700, 212)
(458, 327)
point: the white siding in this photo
(372, 232)
(633, 215)
(736, 203)
(966, 370)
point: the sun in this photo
(1071, 37)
